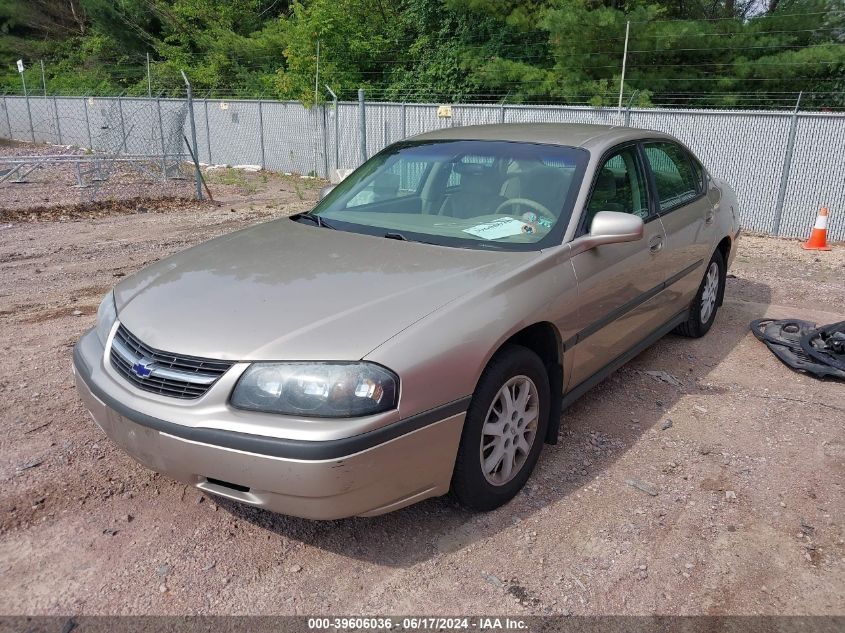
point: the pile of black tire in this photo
(804, 346)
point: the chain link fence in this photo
(92, 149)
(107, 125)
(783, 165)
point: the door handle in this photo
(655, 244)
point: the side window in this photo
(676, 179)
(620, 186)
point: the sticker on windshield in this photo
(506, 227)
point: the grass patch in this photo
(233, 177)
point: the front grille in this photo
(160, 372)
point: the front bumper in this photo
(365, 474)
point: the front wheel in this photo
(706, 302)
(504, 430)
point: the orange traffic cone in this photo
(818, 237)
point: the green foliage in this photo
(723, 53)
(355, 36)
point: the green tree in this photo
(722, 53)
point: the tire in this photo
(520, 371)
(700, 318)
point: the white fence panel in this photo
(745, 148)
(817, 177)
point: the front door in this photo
(618, 284)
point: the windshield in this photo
(483, 194)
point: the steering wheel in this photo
(532, 204)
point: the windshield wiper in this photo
(393, 235)
(316, 219)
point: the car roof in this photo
(570, 134)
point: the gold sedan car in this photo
(421, 329)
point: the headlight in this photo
(325, 390)
(106, 316)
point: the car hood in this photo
(290, 291)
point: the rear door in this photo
(618, 284)
(678, 187)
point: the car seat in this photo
(546, 185)
(475, 195)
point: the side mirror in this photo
(610, 227)
(324, 191)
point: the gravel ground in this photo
(746, 460)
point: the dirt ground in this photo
(747, 517)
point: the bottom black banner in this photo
(575, 624)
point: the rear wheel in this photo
(706, 303)
(504, 430)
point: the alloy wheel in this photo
(509, 430)
(711, 290)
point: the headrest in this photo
(541, 183)
(477, 183)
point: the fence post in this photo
(624, 64)
(336, 134)
(787, 164)
(8, 120)
(28, 109)
(207, 133)
(404, 125)
(56, 114)
(161, 138)
(336, 128)
(43, 79)
(87, 123)
(314, 110)
(261, 134)
(149, 79)
(190, 98)
(122, 124)
(628, 109)
(362, 125)
(325, 145)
